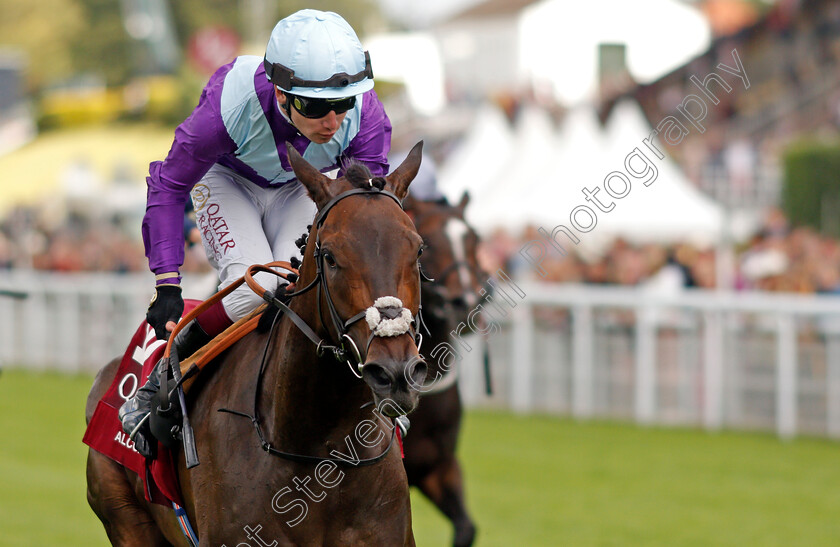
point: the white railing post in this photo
(786, 376)
(100, 351)
(522, 358)
(68, 337)
(582, 344)
(713, 357)
(9, 327)
(645, 365)
(470, 369)
(34, 332)
(832, 358)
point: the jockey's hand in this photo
(165, 310)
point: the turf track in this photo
(531, 480)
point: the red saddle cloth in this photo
(104, 432)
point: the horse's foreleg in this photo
(112, 498)
(444, 486)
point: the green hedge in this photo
(811, 190)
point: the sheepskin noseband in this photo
(388, 317)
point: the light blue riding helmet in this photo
(315, 53)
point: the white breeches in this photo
(242, 224)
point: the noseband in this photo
(387, 316)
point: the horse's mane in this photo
(360, 176)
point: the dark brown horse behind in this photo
(308, 404)
(450, 259)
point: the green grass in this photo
(531, 480)
(544, 481)
(42, 462)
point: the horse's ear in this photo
(402, 176)
(316, 184)
(462, 205)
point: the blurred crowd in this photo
(777, 258)
(792, 60)
(29, 239)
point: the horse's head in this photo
(450, 258)
(363, 248)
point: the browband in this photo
(322, 214)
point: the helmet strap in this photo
(286, 109)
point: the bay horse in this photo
(450, 259)
(362, 247)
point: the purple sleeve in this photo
(199, 142)
(373, 141)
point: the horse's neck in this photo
(308, 396)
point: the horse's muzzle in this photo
(396, 382)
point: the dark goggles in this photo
(309, 107)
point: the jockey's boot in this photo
(191, 338)
(134, 412)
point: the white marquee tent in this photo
(535, 175)
(671, 207)
(483, 153)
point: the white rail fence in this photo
(739, 361)
(714, 360)
(72, 322)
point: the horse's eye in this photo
(328, 258)
(420, 250)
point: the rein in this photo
(301, 458)
(339, 351)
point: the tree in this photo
(45, 31)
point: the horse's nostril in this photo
(376, 376)
(459, 302)
(417, 372)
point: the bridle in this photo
(474, 272)
(339, 350)
(448, 301)
(345, 349)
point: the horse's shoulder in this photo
(101, 383)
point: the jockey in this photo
(313, 89)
